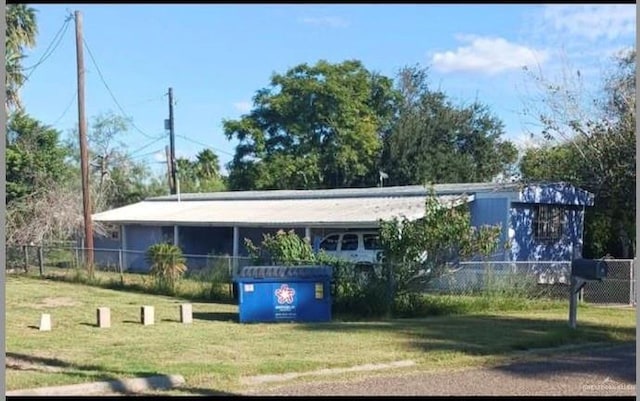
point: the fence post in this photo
(631, 286)
(26, 258)
(230, 277)
(120, 266)
(41, 260)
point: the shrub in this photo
(167, 266)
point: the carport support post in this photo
(236, 247)
(123, 247)
(576, 286)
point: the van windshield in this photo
(371, 241)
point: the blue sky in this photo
(217, 56)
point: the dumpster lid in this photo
(305, 271)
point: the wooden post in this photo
(41, 260)
(26, 258)
(84, 151)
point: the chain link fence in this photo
(532, 279)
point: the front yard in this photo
(215, 352)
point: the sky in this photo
(215, 57)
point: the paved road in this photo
(601, 372)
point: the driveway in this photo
(601, 372)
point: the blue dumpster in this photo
(284, 293)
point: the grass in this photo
(215, 351)
(191, 287)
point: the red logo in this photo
(285, 294)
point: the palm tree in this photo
(207, 164)
(21, 32)
(167, 265)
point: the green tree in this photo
(418, 251)
(435, 141)
(116, 178)
(284, 248)
(200, 175)
(41, 201)
(21, 33)
(316, 126)
(35, 157)
(591, 143)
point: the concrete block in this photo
(186, 313)
(104, 317)
(45, 322)
(146, 315)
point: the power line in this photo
(104, 82)
(146, 154)
(202, 144)
(71, 102)
(147, 145)
(53, 46)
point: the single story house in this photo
(539, 221)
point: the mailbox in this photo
(589, 269)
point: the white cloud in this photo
(332, 22)
(242, 107)
(490, 55)
(593, 21)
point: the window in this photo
(371, 241)
(349, 242)
(330, 243)
(113, 232)
(548, 222)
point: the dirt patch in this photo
(55, 302)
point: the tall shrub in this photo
(167, 265)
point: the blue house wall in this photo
(513, 210)
(524, 245)
(492, 211)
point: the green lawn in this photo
(215, 351)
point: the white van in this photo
(362, 247)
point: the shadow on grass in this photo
(217, 316)
(490, 335)
(197, 296)
(97, 372)
(160, 381)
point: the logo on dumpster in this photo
(285, 294)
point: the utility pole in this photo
(84, 157)
(172, 141)
(169, 174)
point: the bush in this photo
(167, 266)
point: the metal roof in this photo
(352, 212)
(376, 192)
